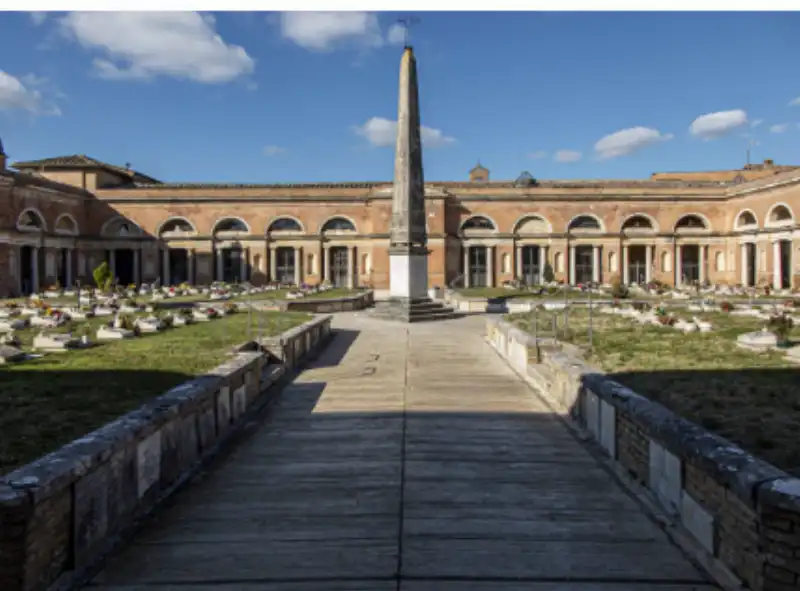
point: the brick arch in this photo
(654, 226)
(476, 216)
(277, 218)
(687, 216)
(175, 218)
(737, 223)
(75, 231)
(338, 216)
(521, 221)
(601, 225)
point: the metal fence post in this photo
(591, 343)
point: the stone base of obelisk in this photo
(408, 291)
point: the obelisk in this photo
(408, 252)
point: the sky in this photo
(312, 97)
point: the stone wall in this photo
(61, 513)
(740, 514)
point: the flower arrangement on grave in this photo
(212, 312)
(11, 305)
(767, 289)
(186, 312)
(792, 303)
(781, 324)
(726, 306)
(615, 303)
(230, 308)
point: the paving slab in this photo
(409, 458)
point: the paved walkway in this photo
(412, 459)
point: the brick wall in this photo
(741, 512)
(61, 513)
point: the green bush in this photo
(618, 290)
(102, 276)
(548, 274)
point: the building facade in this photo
(61, 217)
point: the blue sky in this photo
(300, 97)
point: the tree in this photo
(549, 275)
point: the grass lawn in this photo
(280, 294)
(750, 398)
(50, 401)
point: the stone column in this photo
(273, 263)
(298, 263)
(352, 279)
(678, 266)
(489, 266)
(326, 260)
(743, 264)
(136, 256)
(190, 267)
(571, 276)
(165, 267)
(776, 264)
(112, 263)
(245, 258)
(35, 269)
(701, 262)
(68, 274)
(466, 266)
(626, 274)
(542, 262)
(518, 261)
(218, 271)
(596, 263)
(648, 263)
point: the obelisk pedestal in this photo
(408, 252)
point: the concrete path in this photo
(411, 459)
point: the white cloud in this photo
(627, 141)
(567, 156)
(756, 122)
(22, 94)
(795, 102)
(779, 128)
(140, 45)
(37, 18)
(538, 154)
(322, 31)
(396, 35)
(383, 132)
(714, 125)
(273, 150)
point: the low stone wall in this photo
(328, 305)
(61, 513)
(741, 513)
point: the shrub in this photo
(781, 325)
(618, 290)
(102, 276)
(549, 275)
(726, 306)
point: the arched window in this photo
(532, 225)
(30, 221)
(780, 213)
(338, 224)
(65, 224)
(285, 225)
(231, 225)
(478, 222)
(746, 219)
(178, 225)
(691, 222)
(638, 222)
(584, 222)
(120, 227)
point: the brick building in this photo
(60, 217)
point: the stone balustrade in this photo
(62, 513)
(738, 514)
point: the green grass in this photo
(50, 401)
(750, 398)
